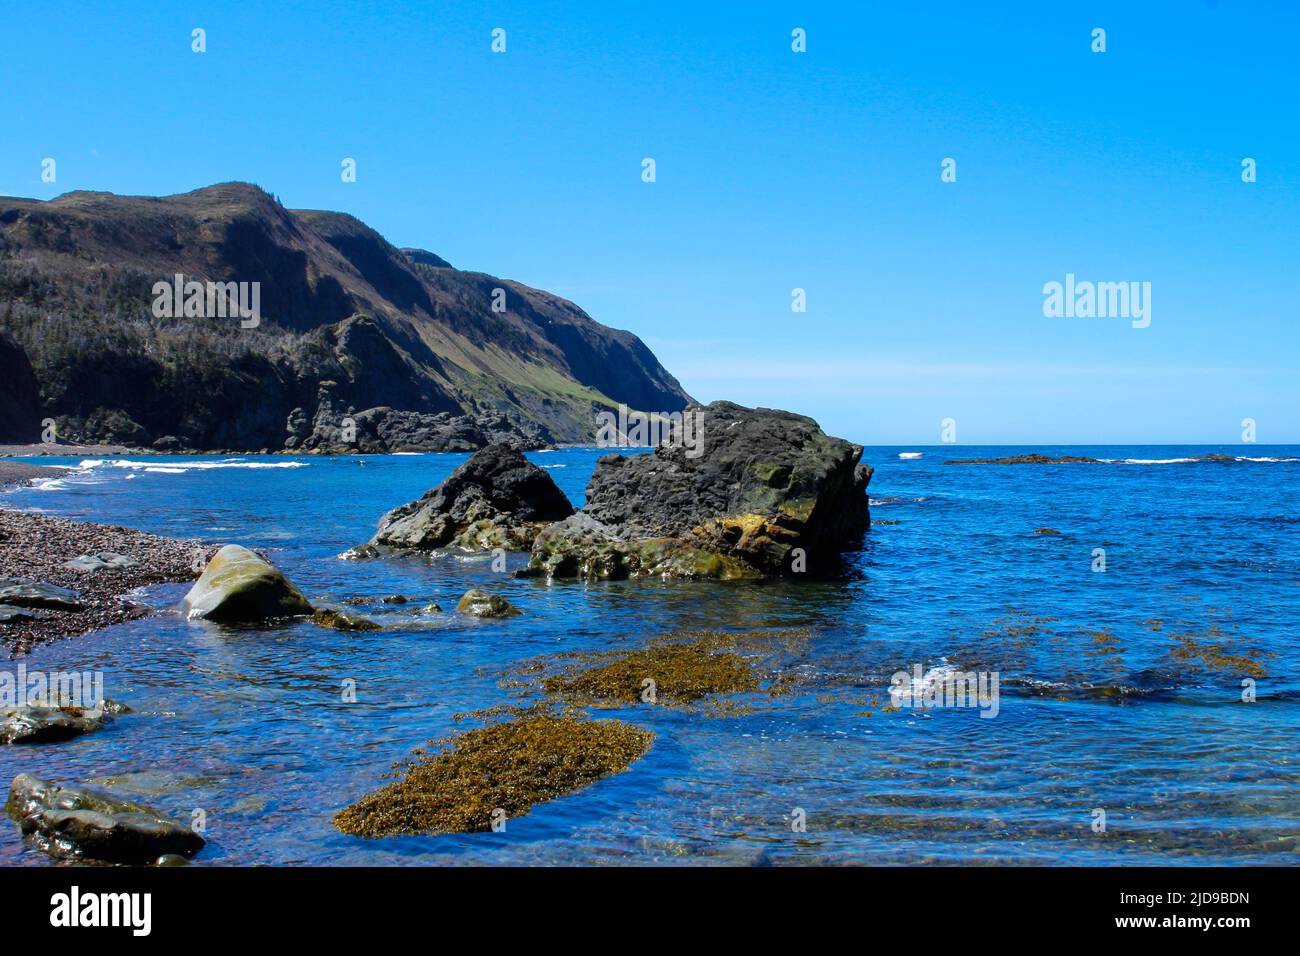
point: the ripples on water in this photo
(1120, 690)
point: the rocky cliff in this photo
(359, 345)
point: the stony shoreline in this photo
(15, 473)
(34, 547)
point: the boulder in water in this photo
(477, 603)
(238, 586)
(85, 823)
(34, 724)
(765, 492)
(496, 499)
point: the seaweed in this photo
(495, 773)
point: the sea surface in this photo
(1121, 734)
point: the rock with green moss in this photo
(238, 586)
(85, 823)
(583, 547)
(764, 492)
(338, 621)
(478, 603)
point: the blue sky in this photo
(775, 170)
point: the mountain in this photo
(359, 344)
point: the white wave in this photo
(1180, 461)
(1146, 461)
(49, 484)
(180, 468)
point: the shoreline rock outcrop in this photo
(496, 499)
(769, 494)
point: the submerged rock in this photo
(477, 603)
(497, 499)
(84, 823)
(328, 617)
(39, 594)
(769, 493)
(493, 774)
(34, 724)
(239, 586)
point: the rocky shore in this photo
(60, 578)
(16, 473)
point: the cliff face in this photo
(19, 394)
(349, 325)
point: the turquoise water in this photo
(1119, 691)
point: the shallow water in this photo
(1120, 691)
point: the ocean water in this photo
(1120, 691)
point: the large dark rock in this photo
(85, 823)
(770, 493)
(497, 499)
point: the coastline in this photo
(14, 474)
(34, 548)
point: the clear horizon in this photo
(775, 171)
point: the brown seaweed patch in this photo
(1216, 653)
(680, 668)
(495, 772)
(680, 673)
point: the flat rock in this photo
(38, 594)
(10, 613)
(85, 823)
(496, 499)
(100, 561)
(239, 586)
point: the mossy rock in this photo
(479, 603)
(496, 773)
(328, 617)
(238, 586)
